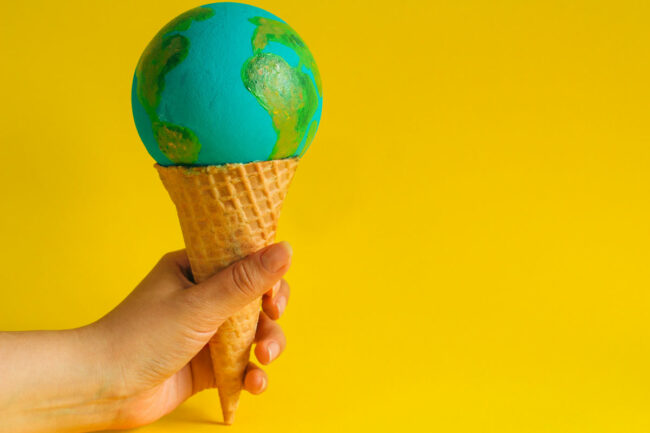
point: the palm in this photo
(163, 397)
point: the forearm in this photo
(53, 381)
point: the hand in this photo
(156, 338)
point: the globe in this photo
(226, 83)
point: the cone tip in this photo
(229, 403)
(228, 416)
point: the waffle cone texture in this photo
(227, 212)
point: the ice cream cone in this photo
(227, 212)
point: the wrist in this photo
(59, 382)
(102, 397)
(112, 401)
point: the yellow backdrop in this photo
(470, 225)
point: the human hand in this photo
(155, 340)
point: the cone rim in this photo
(226, 166)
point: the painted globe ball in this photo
(226, 83)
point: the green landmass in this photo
(310, 136)
(269, 30)
(177, 141)
(165, 51)
(287, 93)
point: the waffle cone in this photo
(227, 212)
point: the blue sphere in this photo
(226, 83)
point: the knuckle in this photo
(243, 278)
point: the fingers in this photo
(242, 282)
(255, 380)
(269, 338)
(270, 343)
(275, 300)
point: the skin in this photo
(144, 358)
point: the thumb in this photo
(236, 286)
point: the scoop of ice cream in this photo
(226, 83)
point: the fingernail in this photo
(273, 349)
(282, 304)
(276, 257)
(263, 383)
(275, 288)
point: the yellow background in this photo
(471, 223)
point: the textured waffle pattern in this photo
(227, 212)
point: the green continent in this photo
(310, 136)
(276, 31)
(179, 144)
(286, 93)
(166, 51)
